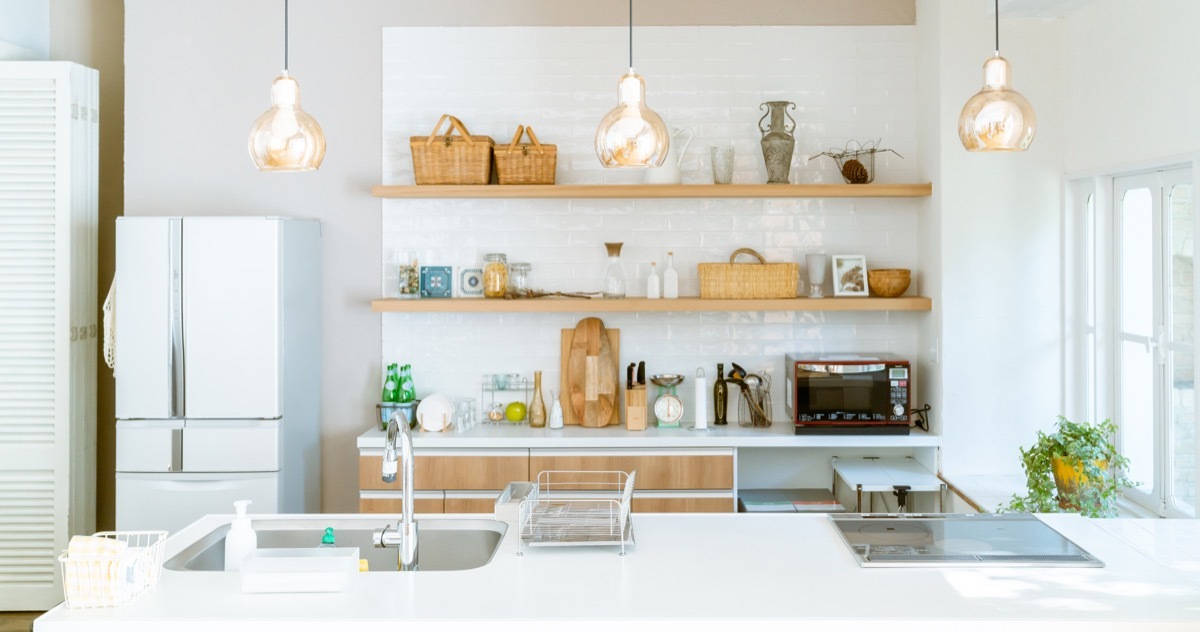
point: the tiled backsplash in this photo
(847, 83)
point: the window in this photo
(1134, 326)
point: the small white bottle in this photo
(652, 282)
(556, 413)
(241, 539)
(670, 284)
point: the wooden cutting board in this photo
(589, 374)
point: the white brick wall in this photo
(847, 83)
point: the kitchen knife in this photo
(641, 373)
(629, 377)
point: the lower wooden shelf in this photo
(683, 304)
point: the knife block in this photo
(635, 408)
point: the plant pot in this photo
(1070, 478)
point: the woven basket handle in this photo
(521, 129)
(455, 124)
(747, 251)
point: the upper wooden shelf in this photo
(627, 191)
(683, 304)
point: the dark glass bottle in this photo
(391, 385)
(720, 397)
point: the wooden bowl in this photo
(889, 282)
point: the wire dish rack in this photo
(578, 508)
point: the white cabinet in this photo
(48, 330)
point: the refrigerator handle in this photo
(176, 352)
(176, 450)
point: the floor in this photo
(17, 621)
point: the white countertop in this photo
(705, 571)
(777, 435)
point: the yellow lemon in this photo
(515, 412)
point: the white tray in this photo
(332, 569)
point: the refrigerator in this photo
(217, 364)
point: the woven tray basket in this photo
(449, 159)
(526, 163)
(748, 280)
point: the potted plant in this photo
(1075, 468)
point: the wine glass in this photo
(816, 275)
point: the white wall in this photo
(847, 83)
(25, 30)
(995, 223)
(1129, 82)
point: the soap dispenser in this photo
(240, 540)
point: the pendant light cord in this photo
(997, 5)
(631, 33)
(285, 35)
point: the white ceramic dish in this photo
(435, 412)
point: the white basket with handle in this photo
(111, 568)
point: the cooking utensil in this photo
(629, 376)
(641, 373)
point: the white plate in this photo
(435, 412)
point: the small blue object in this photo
(436, 281)
(327, 539)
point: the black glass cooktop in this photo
(906, 540)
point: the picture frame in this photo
(436, 282)
(470, 282)
(850, 275)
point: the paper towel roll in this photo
(701, 405)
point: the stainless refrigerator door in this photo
(149, 331)
(232, 317)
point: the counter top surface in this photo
(706, 571)
(778, 434)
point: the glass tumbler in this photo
(409, 274)
(722, 164)
(816, 275)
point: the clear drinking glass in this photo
(816, 275)
(409, 274)
(722, 164)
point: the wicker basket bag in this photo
(526, 163)
(748, 280)
(449, 159)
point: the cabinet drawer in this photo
(681, 504)
(482, 469)
(677, 469)
(471, 502)
(388, 503)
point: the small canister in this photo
(519, 278)
(495, 275)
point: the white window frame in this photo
(1084, 398)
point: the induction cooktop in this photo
(963, 540)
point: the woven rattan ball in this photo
(854, 172)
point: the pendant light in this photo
(631, 134)
(997, 118)
(285, 137)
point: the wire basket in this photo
(112, 579)
(578, 508)
(856, 162)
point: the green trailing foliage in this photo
(1080, 445)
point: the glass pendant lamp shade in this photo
(285, 137)
(631, 134)
(997, 118)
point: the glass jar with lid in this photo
(495, 275)
(518, 278)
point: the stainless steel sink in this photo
(444, 545)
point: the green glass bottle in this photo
(391, 385)
(408, 392)
(720, 397)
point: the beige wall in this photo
(92, 32)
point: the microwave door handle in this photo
(843, 369)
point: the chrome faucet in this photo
(405, 538)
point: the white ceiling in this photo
(1039, 9)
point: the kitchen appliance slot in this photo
(578, 508)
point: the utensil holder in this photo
(635, 408)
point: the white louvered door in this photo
(48, 334)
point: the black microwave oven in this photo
(848, 393)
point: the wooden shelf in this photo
(650, 191)
(688, 304)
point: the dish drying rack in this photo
(577, 508)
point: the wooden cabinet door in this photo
(471, 502)
(662, 470)
(682, 504)
(452, 469)
(424, 502)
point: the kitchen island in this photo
(762, 571)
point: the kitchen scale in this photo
(966, 540)
(668, 408)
